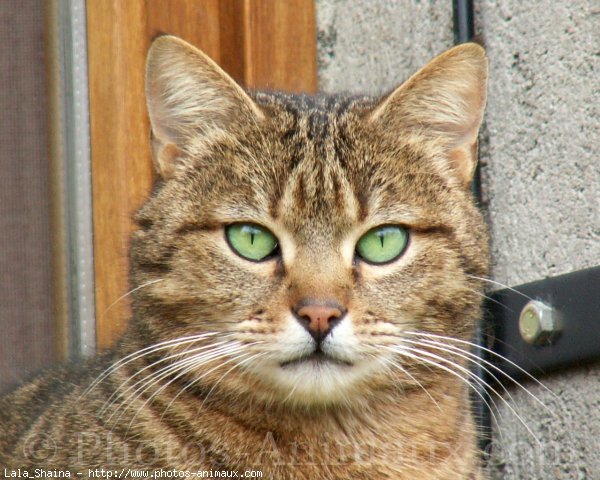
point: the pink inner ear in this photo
(189, 97)
(462, 160)
(165, 158)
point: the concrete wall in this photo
(540, 153)
(542, 183)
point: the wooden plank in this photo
(231, 25)
(121, 163)
(261, 43)
(195, 21)
(280, 45)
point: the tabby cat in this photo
(304, 276)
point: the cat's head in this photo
(303, 241)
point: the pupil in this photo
(251, 238)
(381, 235)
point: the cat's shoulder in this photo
(28, 401)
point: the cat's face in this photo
(309, 238)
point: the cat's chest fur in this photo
(306, 277)
(398, 436)
(387, 442)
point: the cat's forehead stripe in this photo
(318, 183)
(332, 177)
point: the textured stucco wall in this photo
(541, 178)
(540, 153)
(372, 46)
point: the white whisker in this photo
(487, 297)
(153, 364)
(409, 375)
(143, 352)
(183, 366)
(476, 379)
(477, 360)
(403, 351)
(474, 361)
(194, 381)
(133, 290)
(487, 350)
(192, 367)
(237, 365)
(290, 395)
(493, 282)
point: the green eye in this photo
(382, 244)
(251, 241)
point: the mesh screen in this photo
(26, 326)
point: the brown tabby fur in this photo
(318, 172)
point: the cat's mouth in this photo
(317, 357)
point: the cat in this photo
(303, 275)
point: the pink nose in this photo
(319, 318)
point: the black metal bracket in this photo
(575, 299)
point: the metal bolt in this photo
(538, 323)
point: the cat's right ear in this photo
(191, 102)
(443, 102)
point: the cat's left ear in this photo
(192, 103)
(444, 102)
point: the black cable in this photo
(464, 25)
(464, 31)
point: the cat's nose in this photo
(319, 318)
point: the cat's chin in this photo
(317, 380)
(315, 359)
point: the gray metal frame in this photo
(76, 171)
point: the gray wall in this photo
(540, 153)
(542, 183)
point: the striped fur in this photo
(212, 389)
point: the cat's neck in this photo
(395, 432)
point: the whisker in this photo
(182, 373)
(136, 355)
(409, 375)
(190, 384)
(469, 374)
(493, 282)
(159, 375)
(153, 364)
(141, 353)
(476, 359)
(237, 365)
(133, 290)
(478, 380)
(402, 351)
(215, 350)
(194, 381)
(289, 395)
(487, 297)
(491, 352)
